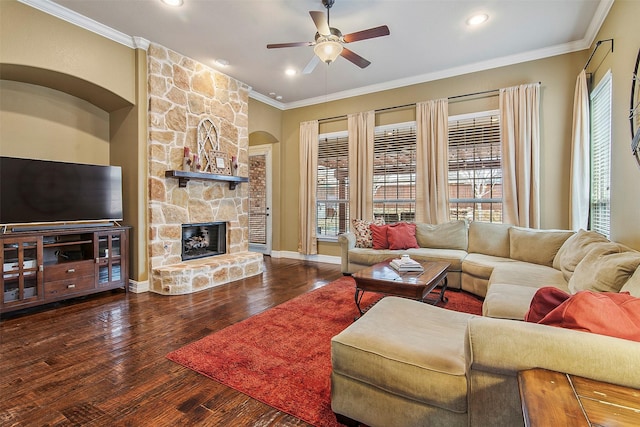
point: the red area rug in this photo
(282, 356)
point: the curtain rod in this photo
(344, 116)
(598, 43)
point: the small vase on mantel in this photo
(186, 160)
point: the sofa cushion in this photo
(450, 235)
(408, 349)
(364, 256)
(482, 266)
(633, 284)
(505, 301)
(605, 313)
(453, 256)
(536, 246)
(489, 238)
(361, 229)
(525, 274)
(574, 249)
(402, 235)
(379, 236)
(606, 268)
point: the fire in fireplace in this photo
(203, 240)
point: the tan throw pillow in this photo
(364, 238)
(605, 268)
(450, 235)
(574, 249)
(633, 284)
(536, 246)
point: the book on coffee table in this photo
(406, 264)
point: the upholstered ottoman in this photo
(401, 364)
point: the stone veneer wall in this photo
(182, 92)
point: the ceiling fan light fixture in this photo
(477, 19)
(174, 3)
(328, 50)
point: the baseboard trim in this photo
(138, 287)
(327, 259)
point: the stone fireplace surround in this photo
(181, 93)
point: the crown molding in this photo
(75, 18)
(598, 19)
(267, 100)
(450, 72)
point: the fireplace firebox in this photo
(203, 240)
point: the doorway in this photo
(260, 199)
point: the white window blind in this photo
(475, 167)
(600, 215)
(394, 172)
(332, 194)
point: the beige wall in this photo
(622, 25)
(67, 94)
(41, 123)
(65, 57)
(265, 127)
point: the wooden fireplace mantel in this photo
(184, 177)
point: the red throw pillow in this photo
(605, 313)
(402, 235)
(379, 234)
(545, 300)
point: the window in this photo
(332, 193)
(394, 172)
(475, 167)
(600, 215)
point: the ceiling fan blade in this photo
(355, 58)
(321, 22)
(311, 65)
(367, 34)
(296, 44)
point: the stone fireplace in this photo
(181, 93)
(203, 240)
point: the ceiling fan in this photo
(329, 42)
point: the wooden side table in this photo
(555, 399)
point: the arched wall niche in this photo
(72, 85)
(261, 138)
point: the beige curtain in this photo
(360, 127)
(580, 156)
(308, 244)
(432, 152)
(520, 134)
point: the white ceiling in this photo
(429, 39)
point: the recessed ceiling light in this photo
(222, 62)
(290, 72)
(477, 19)
(279, 97)
(175, 3)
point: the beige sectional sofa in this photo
(500, 262)
(405, 363)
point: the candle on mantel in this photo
(186, 160)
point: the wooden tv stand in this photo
(44, 266)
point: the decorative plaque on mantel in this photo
(213, 160)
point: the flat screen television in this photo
(40, 191)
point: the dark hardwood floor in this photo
(100, 360)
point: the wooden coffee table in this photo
(385, 279)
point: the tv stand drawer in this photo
(69, 270)
(68, 286)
